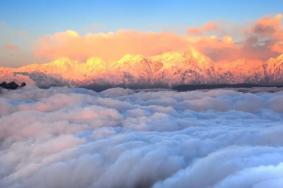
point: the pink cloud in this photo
(108, 46)
(263, 39)
(207, 27)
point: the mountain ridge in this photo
(168, 69)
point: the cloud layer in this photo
(260, 40)
(68, 137)
(108, 46)
(221, 41)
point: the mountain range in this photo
(164, 70)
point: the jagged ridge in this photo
(167, 69)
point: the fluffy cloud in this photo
(258, 41)
(69, 137)
(264, 38)
(108, 46)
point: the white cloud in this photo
(68, 137)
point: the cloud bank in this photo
(108, 46)
(221, 41)
(259, 40)
(69, 137)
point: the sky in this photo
(24, 23)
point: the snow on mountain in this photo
(274, 70)
(166, 69)
(240, 71)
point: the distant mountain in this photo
(274, 70)
(167, 69)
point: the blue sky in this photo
(47, 16)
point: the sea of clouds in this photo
(120, 138)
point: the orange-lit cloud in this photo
(207, 27)
(264, 38)
(259, 41)
(108, 46)
(218, 48)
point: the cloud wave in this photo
(69, 137)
